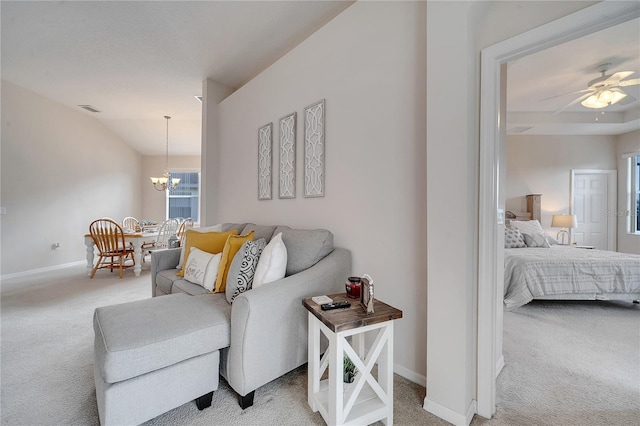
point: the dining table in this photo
(137, 239)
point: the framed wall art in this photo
(288, 156)
(264, 161)
(314, 149)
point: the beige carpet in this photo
(567, 364)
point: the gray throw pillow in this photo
(243, 268)
(513, 238)
(535, 240)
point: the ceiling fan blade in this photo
(627, 100)
(569, 93)
(617, 77)
(575, 101)
(632, 82)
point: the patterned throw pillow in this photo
(513, 238)
(243, 268)
(532, 232)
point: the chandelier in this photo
(166, 181)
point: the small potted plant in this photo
(349, 370)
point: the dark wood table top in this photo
(352, 317)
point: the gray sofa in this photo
(268, 325)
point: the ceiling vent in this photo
(89, 108)
(520, 129)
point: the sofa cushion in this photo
(238, 227)
(135, 338)
(259, 231)
(165, 280)
(231, 247)
(243, 268)
(272, 264)
(211, 242)
(305, 247)
(184, 286)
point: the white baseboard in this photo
(8, 287)
(448, 414)
(499, 365)
(410, 375)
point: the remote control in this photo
(335, 305)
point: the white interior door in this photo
(592, 200)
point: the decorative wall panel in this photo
(288, 156)
(264, 161)
(314, 150)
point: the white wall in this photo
(369, 65)
(154, 202)
(543, 164)
(61, 169)
(456, 33)
(627, 143)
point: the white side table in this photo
(367, 400)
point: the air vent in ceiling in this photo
(520, 129)
(198, 98)
(89, 108)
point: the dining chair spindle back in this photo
(108, 237)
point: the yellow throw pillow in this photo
(233, 244)
(211, 242)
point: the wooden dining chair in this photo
(108, 237)
(186, 224)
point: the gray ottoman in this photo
(156, 354)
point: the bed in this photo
(536, 267)
(568, 272)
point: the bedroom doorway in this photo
(492, 145)
(593, 198)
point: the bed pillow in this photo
(243, 268)
(513, 238)
(202, 268)
(532, 233)
(273, 262)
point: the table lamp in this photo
(564, 221)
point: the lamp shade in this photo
(564, 221)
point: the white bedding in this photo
(562, 271)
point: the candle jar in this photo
(352, 286)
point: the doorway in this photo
(492, 145)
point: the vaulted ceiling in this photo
(138, 61)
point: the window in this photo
(184, 200)
(634, 193)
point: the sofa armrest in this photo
(269, 324)
(161, 260)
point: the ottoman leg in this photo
(204, 401)
(247, 400)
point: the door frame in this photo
(612, 203)
(589, 20)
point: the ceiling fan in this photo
(604, 90)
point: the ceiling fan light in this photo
(604, 98)
(593, 102)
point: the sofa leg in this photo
(204, 401)
(247, 400)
